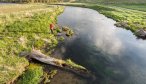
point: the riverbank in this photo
(21, 35)
(21, 31)
(127, 18)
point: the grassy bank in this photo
(32, 75)
(140, 7)
(111, 1)
(127, 18)
(24, 34)
(130, 19)
(24, 30)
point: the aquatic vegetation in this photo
(69, 32)
(48, 76)
(61, 38)
(74, 65)
(58, 30)
(65, 28)
(53, 73)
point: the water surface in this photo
(113, 54)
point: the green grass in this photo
(140, 7)
(22, 35)
(19, 12)
(32, 75)
(111, 1)
(38, 23)
(17, 8)
(127, 18)
(132, 19)
(11, 67)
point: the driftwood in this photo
(37, 55)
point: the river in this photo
(114, 55)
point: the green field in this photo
(21, 34)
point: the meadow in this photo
(19, 34)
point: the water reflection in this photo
(113, 54)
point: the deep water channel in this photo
(113, 54)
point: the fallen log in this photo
(37, 55)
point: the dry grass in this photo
(20, 7)
(12, 12)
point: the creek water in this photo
(114, 55)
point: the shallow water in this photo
(113, 54)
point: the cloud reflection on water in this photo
(97, 37)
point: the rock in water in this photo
(141, 33)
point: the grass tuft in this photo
(32, 75)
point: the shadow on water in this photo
(113, 54)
